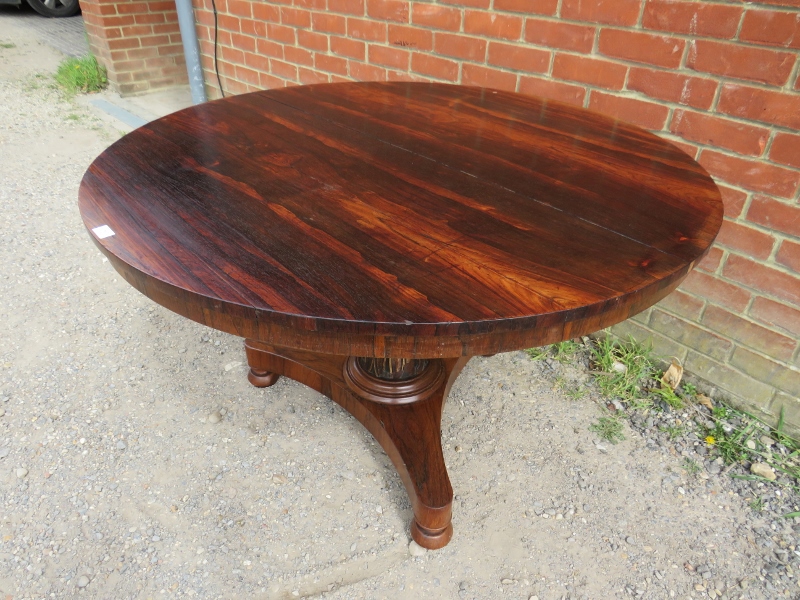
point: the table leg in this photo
(404, 415)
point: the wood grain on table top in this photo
(419, 211)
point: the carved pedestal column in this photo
(399, 401)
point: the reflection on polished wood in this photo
(368, 238)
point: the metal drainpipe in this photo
(192, 50)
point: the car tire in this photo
(55, 8)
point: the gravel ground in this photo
(137, 462)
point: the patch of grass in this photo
(690, 466)
(669, 396)
(537, 353)
(7, 45)
(756, 504)
(621, 367)
(576, 393)
(81, 75)
(563, 352)
(689, 390)
(608, 428)
(673, 431)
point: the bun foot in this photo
(262, 378)
(431, 540)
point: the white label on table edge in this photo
(103, 232)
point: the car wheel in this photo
(55, 8)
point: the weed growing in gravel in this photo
(673, 431)
(608, 428)
(691, 466)
(7, 45)
(83, 74)
(621, 367)
(756, 504)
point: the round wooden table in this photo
(367, 239)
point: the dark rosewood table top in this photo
(400, 219)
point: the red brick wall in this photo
(137, 41)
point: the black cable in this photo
(216, 35)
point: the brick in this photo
(318, 5)
(694, 337)
(256, 61)
(723, 133)
(339, 79)
(348, 7)
(771, 27)
(247, 75)
(329, 23)
(120, 21)
(130, 8)
(400, 76)
(231, 55)
(535, 7)
(683, 305)
(363, 29)
(749, 333)
(295, 17)
(618, 12)
(269, 82)
(740, 62)
(640, 112)
(662, 51)
(760, 105)
(547, 88)
(763, 279)
(282, 69)
(414, 38)
(257, 29)
(712, 260)
(243, 42)
(779, 216)
(134, 53)
(492, 24)
(268, 48)
(364, 72)
(298, 56)
(785, 149)
(555, 34)
(789, 256)
(349, 48)
(662, 345)
(519, 58)
(312, 41)
(240, 8)
(692, 18)
(389, 57)
(470, 3)
(593, 71)
(310, 77)
(673, 87)
(434, 15)
(776, 315)
(460, 46)
(716, 290)
(732, 201)
(152, 18)
(745, 239)
(751, 174)
(388, 10)
(439, 68)
(279, 33)
(489, 78)
(330, 64)
(770, 372)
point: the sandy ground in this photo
(137, 462)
